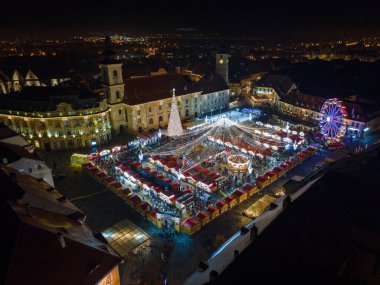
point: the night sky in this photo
(266, 18)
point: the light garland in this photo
(174, 127)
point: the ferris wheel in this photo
(333, 120)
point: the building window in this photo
(150, 109)
(120, 112)
(61, 144)
(138, 112)
(187, 112)
(160, 119)
(159, 107)
(150, 121)
(115, 73)
(187, 101)
(117, 95)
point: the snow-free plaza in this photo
(185, 177)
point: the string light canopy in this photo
(223, 137)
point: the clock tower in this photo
(113, 87)
(221, 65)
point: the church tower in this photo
(221, 66)
(113, 87)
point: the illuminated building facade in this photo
(144, 103)
(57, 118)
(16, 81)
(289, 101)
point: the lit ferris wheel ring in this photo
(333, 120)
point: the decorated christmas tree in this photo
(175, 127)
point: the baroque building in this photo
(282, 93)
(56, 118)
(16, 81)
(143, 103)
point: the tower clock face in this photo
(221, 61)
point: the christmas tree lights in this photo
(175, 127)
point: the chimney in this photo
(61, 240)
(28, 210)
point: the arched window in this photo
(187, 112)
(151, 121)
(115, 73)
(160, 119)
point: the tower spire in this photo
(108, 53)
(175, 127)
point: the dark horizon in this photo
(41, 18)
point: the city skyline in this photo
(272, 19)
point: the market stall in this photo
(116, 186)
(213, 212)
(204, 217)
(125, 192)
(261, 182)
(109, 180)
(100, 177)
(271, 176)
(168, 197)
(250, 189)
(191, 226)
(239, 195)
(221, 206)
(143, 208)
(152, 216)
(133, 200)
(230, 201)
(278, 171)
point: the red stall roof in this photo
(261, 179)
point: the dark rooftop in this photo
(34, 254)
(12, 153)
(330, 235)
(336, 78)
(6, 132)
(47, 98)
(153, 88)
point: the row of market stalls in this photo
(194, 224)
(197, 176)
(162, 180)
(280, 170)
(254, 150)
